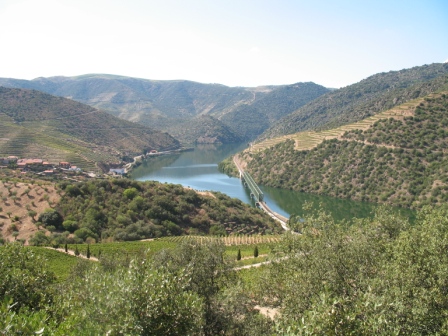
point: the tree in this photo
(76, 250)
(238, 256)
(134, 300)
(24, 277)
(88, 251)
(39, 239)
(32, 214)
(225, 305)
(51, 217)
(66, 248)
(256, 251)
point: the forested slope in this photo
(358, 101)
(129, 210)
(397, 161)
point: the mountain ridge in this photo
(355, 102)
(162, 104)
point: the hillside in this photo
(121, 210)
(401, 161)
(253, 119)
(355, 102)
(36, 124)
(166, 104)
(204, 129)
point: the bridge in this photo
(258, 194)
(254, 189)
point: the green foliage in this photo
(140, 300)
(130, 193)
(60, 264)
(381, 277)
(399, 162)
(70, 225)
(24, 277)
(51, 218)
(129, 210)
(21, 323)
(255, 251)
(238, 256)
(39, 239)
(226, 306)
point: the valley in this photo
(159, 245)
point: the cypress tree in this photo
(66, 248)
(88, 251)
(256, 251)
(238, 257)
(76, 250)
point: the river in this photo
(198, 169)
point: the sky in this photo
(231, 42)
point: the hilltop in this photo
(356, 102)
(166, 104)
(38, 125)
(401, 160)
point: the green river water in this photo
(198, 169)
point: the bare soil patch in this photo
(17, 199)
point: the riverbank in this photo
(138, 159)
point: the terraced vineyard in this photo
(227, 240)
(37, 125)
(32, 141)
(310, 139)
(124, 248)
(244, 243)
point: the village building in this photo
(65, 165)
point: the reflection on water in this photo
(198, 169)
(291, 202)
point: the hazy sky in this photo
(231, 42)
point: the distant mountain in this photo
(253, 119)
(204, 129)
(36, 124)
(358, 101)
(166, 104)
